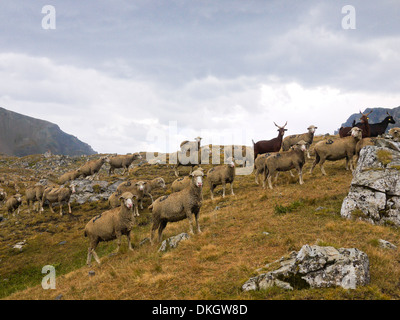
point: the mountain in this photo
(21, 135)
(376, 116)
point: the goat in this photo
(273, 145)
(379, 128)
(364, 126)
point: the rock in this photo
(316, 267)
(374, 194)
(173, 241)
(91, 191)
(19, 245)
(386, 244)
(62, 243)
(59, 297)
(91, 273)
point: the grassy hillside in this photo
(210, 265)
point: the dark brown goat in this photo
(366, 132)
(273, 145)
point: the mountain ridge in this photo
(22, 135)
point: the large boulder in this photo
(374, 194)
(316, 267)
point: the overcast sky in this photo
(127, 76)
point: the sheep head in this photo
(312, 129)
(197, 177)
(127, 200)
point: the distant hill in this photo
(376, 116)
(21, 135)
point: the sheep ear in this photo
(128, 183)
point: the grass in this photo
(211, 265)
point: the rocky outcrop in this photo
(316, 267)
(90, 191)
(374, 194)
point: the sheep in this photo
(395, 133)
(184, 204)
(187, 145)
(136, 188)
(259, 165)
(122, 161)
(273, 145)
(364, 126)
(110, 225)
(69, 176)
(285, 161)
(92, 168)
(221, 175)
(293, 139)
(336, 150)
(188, 156)
(149, 186)
(13, 203)
(33, 194)
(3, 195)
(60, 195)
(379, 128)
(180, 183)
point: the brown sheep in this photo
(92, 168)
(60, 195)
(177, 206)
(110, 225)
(122, 161)
(69, 176)
(34, 194)
(221, 175)
(13, 203)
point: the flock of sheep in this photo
(270, 158)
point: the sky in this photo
(128, 76)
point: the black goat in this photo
(377, 128)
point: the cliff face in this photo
(21, 135)
(376, 116)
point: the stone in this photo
(374, 194)
(173, 242)
(316, 267)
(386, 244)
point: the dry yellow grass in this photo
(215, 263)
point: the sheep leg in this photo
(277, 175)
(212, 192)
(51, 207)
(69, 208)
(161, 228)
(223, 190)
(153, 230)
(322, 167)
(61, 212)
(256, 177)
(232, 189)
(118, 235)
(190, 218)
(300, 171)
(269, 181)
(196, 217)
(291, 173)
(128, 235)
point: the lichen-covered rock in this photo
(316, 267)
(374, 194)
(173, 242)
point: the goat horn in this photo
(276, 125)
(285, 125)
